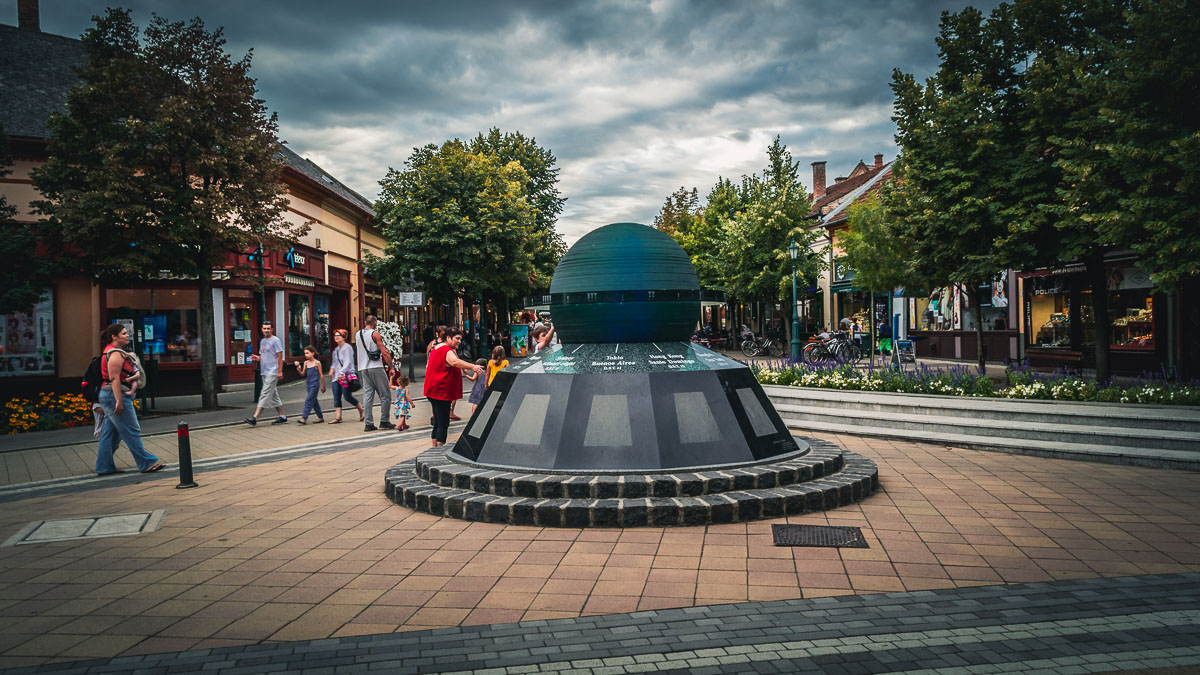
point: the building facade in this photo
(315, 286)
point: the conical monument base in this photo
(627, 435)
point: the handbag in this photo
(372, 354)
(349, 381)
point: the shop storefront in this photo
(1059, 325)
(942, 323)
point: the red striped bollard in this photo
(185, 458)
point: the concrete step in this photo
(1168, 418)
(1090, 431)
(1152, 457)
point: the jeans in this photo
(117, 428)
(311, 404)
(441, 419)
(375, 383)
(339, 392)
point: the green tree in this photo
(165, 160)
(874, 244)
(738, 240)
(1084, 142)
(543, 194)
(755, 238)
(461, 221)
(961, 136)
(679, 213)
(25, 277)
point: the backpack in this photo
(93, 378)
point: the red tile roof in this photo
(836, 192)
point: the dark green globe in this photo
(625, 282)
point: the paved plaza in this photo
(289, 557)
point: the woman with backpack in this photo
(120, 417)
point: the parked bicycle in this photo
(756, 346)
(837, 349)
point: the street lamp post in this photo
(794, 252)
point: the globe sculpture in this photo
(627, 422)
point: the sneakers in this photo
(386, 425)
(369, 427)
(251, 421)
(281, 420)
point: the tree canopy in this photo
(1055, 132)
(738, 240)
(543, 195)
(165, 160)
(461, 221)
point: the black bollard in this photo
(185, 458)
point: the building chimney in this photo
(27, 15)
(878, 161)
(818, 180)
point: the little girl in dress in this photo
(481, 383)
(404, 404)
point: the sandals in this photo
(336, 421)
(152, 469)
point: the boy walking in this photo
(270, 365)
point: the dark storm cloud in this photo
(634, 98)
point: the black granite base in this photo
(825, 478)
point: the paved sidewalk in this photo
(303, 546)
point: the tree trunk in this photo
(979, 332)
(1098, 280)
(208, 338)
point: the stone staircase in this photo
(1144, 435)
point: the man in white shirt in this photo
(373, 372)
(270, 365)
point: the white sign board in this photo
(410, 299)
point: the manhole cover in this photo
(818, 535)
(121, 525)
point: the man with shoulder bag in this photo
(374, 360)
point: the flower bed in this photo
(966, 381)
(46, 412)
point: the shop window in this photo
(163, 321)
(855, 306)
(934, 311)
(299, 324)
(321, 311)
(1132, 315)
(28, 340)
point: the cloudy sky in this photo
(635, 99)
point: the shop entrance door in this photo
(243, 322)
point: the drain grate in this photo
(828, 536)
(125, 524)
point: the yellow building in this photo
(312, 288)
